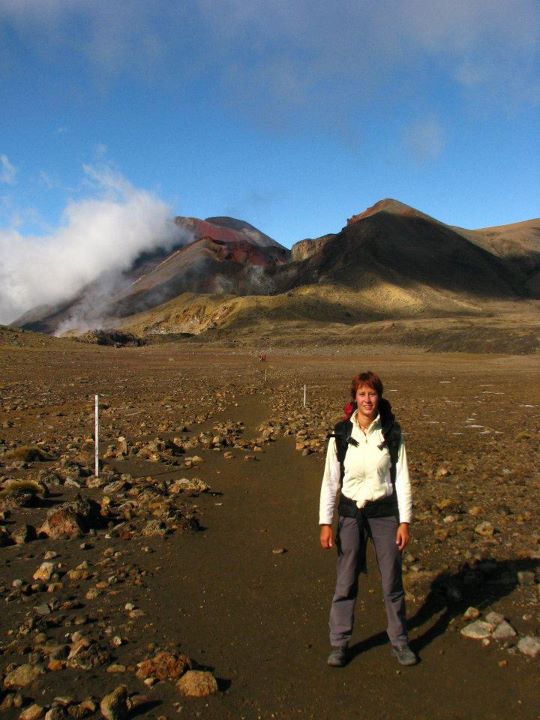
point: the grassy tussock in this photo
(28, 453)
(22, 486)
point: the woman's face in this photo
(367, 401)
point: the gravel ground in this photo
(196, 548)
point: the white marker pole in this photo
(96, 436)
(305, 395)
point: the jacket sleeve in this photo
(403, 486)
(330, 485)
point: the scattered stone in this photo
(23, 534)
(44, 572)
(494, 618)
(193, 486)
(477, 630)
(471, 613)
(197, 683)
(23, 675)
(114, 706)
(164, 666)
(504, 631)
(32, 712)
(116, 668)
(529, 645)
(485, 529)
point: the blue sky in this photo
(290, 115)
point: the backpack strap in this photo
(342, 434)
(392, 440)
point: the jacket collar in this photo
(374, 425)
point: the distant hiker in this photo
(366, 475)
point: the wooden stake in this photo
(96, 436)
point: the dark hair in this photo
(368, 378)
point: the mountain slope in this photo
(389, 261)
(224, 255)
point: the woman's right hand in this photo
(327, 537)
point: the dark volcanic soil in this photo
(246, 595)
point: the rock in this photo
(82, 709)
(32, 712)
(23, 534)
(164, 666)
(71, 519)
(494, 618)
(154, 528)
(471, 613)
(23, 675)
(5, 538)
(137, 702)
(193, 486)
(44, 572)
(197, 683)
(43, 609)
(485, 529)
(504, 631)
(11, 700)
(116, 668)
(477, 630)
(57, 712)
(86, 654)
(530, 646)
(114, 705)
(62, 522)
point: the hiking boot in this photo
(338, 656)
(404, 655)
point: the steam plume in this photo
(99, 237)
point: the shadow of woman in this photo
(479, 585)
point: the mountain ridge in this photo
(389, 249)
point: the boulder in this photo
(114, 706)
(197, 683)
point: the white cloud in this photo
(275, 59)
(101, 234)
(425, 139)
(7, 171)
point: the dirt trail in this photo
(259, 619)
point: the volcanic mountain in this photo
(390, 261)
(215, 255)
(404, 247)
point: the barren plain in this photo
(197, 544)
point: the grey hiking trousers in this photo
(350, 554)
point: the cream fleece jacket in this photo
(367, 474)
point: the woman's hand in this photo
(327, 537)
(402, 536)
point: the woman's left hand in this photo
(402, 536)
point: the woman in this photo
(366, 474)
